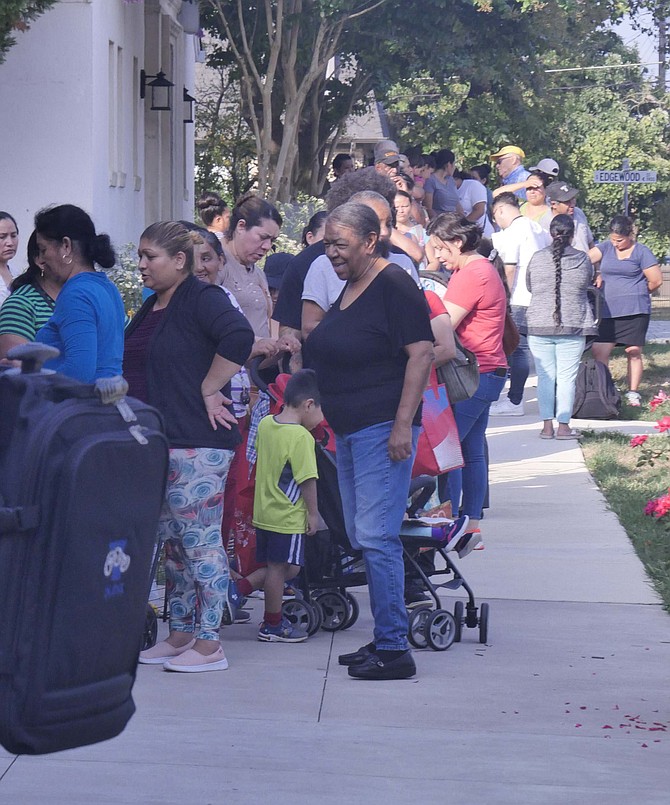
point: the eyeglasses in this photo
(535, 187)
(507, 156)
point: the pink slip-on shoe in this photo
(193, 662)
(158, 654)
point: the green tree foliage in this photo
(16, 15)
(279, 51)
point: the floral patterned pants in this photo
(196, 566)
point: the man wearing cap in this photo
(387, 158)
(550, 168)
(510, 168)
(562, 197)
(547, 167)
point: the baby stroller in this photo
(333, 566)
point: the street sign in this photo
(624, 177)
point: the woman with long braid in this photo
(559, 319)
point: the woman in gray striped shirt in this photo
(559, 319)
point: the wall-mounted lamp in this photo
(189, 100)
(161, 89)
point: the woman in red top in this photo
(476, 302)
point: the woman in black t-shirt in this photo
(372, 353)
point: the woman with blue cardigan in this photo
(88, 319)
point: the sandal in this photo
(573, 434)
(544, 435)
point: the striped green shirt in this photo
(25, 311)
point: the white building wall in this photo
(75, 129)
(118, 118)
(46, 139)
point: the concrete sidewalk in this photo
(567, 703)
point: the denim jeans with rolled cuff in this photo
(374, 493)
(557, 359)
(472, 417)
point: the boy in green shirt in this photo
(285, 506)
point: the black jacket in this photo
(198, 323)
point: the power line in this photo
(603, 67)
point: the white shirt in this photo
(4, 289)
(516, 245)
(470, 193)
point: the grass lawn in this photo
(656, 375)
(627, 488)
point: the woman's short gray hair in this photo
(360, 218)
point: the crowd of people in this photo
(349, 316)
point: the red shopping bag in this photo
(439, 448)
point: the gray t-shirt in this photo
(624, 287)
(323, 286)
(445, 194)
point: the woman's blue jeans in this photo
(557, 359)
(374, 493)
(472, 417)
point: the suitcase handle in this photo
(32, 356)
(19, 518)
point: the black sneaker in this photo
(403, 667)
(416, 598)
(357, 657)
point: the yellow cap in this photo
(508, 149)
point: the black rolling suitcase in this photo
(81, 483)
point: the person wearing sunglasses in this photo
(509, 164)
(536, 207)
(387, 158)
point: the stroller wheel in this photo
(317, 617)
(440, 630)
(335, 608)
(417, 622)
(483, 623)
(298, 613)
(150, 634)
(458, 617)
(354, 610)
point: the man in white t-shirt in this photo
(516, 243)
(474, 201)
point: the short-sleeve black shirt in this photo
(288, 310)
(358, 352)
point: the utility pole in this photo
(662, 24)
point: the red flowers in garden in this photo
(658, 507)
(663, 424)
(656, 450)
